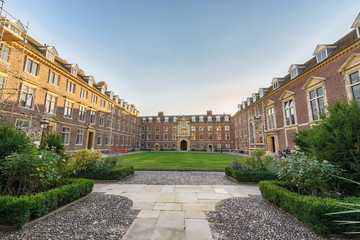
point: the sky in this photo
(185, 56)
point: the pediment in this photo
(92, 126)
(269, 103)
(286, 94)
(312, 81)
(356, 22)
(295, 66)
(352, 61)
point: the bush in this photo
(258, 160)
(249, 176)
(238, 165)
(309, 210)
(53, 142)
(336, 139)
(32, 172)
(18, 211)
(85, 158)
(105, 174)
(308, 174)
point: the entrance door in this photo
(273, 144)
(210, 148)
(156, 147)
(90, 140)
(183, 145)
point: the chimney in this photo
(160, 114)
(209, 112)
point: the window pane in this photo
(314, 110)
(312, 94)
(319, 92)
(356, 92)
(354, 77)
(321, 105)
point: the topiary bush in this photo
(250, 176)
(17, 211)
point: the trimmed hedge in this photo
(250, 176)
(108, 174)
(18, 211)
(309, 210)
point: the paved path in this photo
(174, 211)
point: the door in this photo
(183, 145)
(90, 140)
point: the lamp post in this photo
(44, 123)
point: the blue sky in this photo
(185, 56)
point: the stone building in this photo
(208, 132)
(269, 118)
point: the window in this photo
(201, 136)
(218, 146)
(218, 118)
(99, 139)
(174, 119)
(157, 129)
(2, 82)
(201, 128)
(218, 137)
(118, 126)
(201, 119)
(92, 117)
(289, 112)
(209, 136)
(150, 120)
(111, 139)
(209, 128)
(101, 119)
(32, 67)
(226, 118)
(102, 103)
(50, 104)
(193, 119)
(65, 135)
(108, 122)
(227, 136)
(27, 97)
(209, 118)
(79, 137)
(193, 128)
(165, 136)
(68, 109)
(157, 137)
(174, 128)
(166, 119)
(83, 93)
(355, 86)
(5, 53)
(165, 129)
(271, 118)
(144, 120)
(127, 128)
(94, 99)
(317, 103)
(193, 136)
(165, 145)
(218, 128)
(148, 137)
(227, 145)
(183, 125)
(113, 123)
(158, 120)
(82, 112)
(174, 136)
(109, 106)
(122, 140)
(123, 127)
(70, 87)
(107, 139)
(227, 128)
(54, 78)
(22, 123)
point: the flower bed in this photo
(17, 211)
(309, 210)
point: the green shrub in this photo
(53, 142)
(336, 139)
(309, 210)
(253, 176)
(16, 211)
(32, 172)
(258, 160)
(105, 174)
(237, 164)
(84, 159)
(229, 171)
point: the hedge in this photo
(309, 210)
(250, 176)
(109, 174)
(16, 211)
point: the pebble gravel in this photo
(254, 218)
(179, 178)
(97, 217)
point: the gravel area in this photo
(97, 217)
(254, 218)
(179, 178)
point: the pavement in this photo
(174, 211)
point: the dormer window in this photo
(150, 119)
(209, 118)
(90, 80)
(255, 97)
(103, 89)
(276, 82)
(262, 92)
(218, 118)
(175, 119)
(295, 70)
(158, 120)
(356, 25)
(244, 104)
(201, 119)
(166, 119)
(14, 26)
(323, 51)
(193, 119)
(49, 52)
(144, 120)
(249, 101)
(226, 118)
(73, 68)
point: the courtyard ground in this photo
(170, 205)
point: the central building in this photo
(209, 132)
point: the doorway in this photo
(156, 147)
(273, 144)
(183, 145)
(210, 148)
(90, 140)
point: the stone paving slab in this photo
(174, 211)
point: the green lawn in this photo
(179, 160)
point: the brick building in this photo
(210, 132)
(37, 86)
(269, 118)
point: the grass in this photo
(179, 160)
